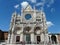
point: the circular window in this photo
(27, 16)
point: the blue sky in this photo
(51, 9)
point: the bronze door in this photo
(17, 38)
(38, 39)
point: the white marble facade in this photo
(29, 27)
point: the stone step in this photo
(28, 44)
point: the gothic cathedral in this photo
(29, 27)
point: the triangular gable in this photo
(29, 8)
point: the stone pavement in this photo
(29, 44)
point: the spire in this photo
(34, 12)
(34, 8)
(14, 14)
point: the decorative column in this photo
(50, 39)
(11, 40)
(21, 37)
(57, 39)
(12, 34)
(8, 41)
(32, 37)
(47, 38)
(42, 37)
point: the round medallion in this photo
(27, 16)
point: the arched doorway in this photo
(27, 29)
(37, 33)
(17, 39)
(54, 39)
(37, 30)
(38, 39)
(27, 34)
(28, 38)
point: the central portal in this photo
(28, 39)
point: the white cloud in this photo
(44, 1)
(50, 2)
(16, 6)
(41, 4)
(24, 4)
(49, 23)
(33, 1)
(52, 10)
(48, 5)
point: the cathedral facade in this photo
(29, 27)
